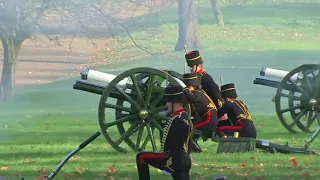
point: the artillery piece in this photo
(298, 93)
(137, 97)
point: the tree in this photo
(188, 25)
(217, 12)
(18, 19)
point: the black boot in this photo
(195, 147)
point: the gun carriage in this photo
(297, 99)
(137, 98)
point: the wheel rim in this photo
(300, 98)
(140, 115)
(140, 78)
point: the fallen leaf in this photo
(4, 167)
(75, 158)
(112, 170)
(80, 170)
(44, 171)
(28, 160)
(294, 161)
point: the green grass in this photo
(45, 123)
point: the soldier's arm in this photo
(189, 95)
(213, 89)
(227, 106)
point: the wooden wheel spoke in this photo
(134, 103)
(291, 108)
(158, 99)
(291, 96)
(121, 120)
(303, 92)
(136, 86)
(150, 133)
(156, 125)
(318, 117)
(132, 129)
(311, 118)
(150, 89)
(297, 119)
(139, 137)
(306, 80)
(126, 109)
(145, 142)
(160, 117)
(159, 109)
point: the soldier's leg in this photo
(248, 129)
(181, 175)
(144, 159)
(195, 147)
(229, 130)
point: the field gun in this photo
(297, 99)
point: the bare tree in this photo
(18, 19)
(188, 25)
(217, 12)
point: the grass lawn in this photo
(44, 124)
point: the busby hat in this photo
(229, 90)
(193, 58)
(191, 79)
(174, 94)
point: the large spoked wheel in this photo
(297, 100)
(139, 109)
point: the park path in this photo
(42, 61)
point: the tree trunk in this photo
(217, 12)
(188, 25)
(11, 48)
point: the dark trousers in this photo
(179, 170)
(208, 124)
(245, 128)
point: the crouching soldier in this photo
(204, 110)
(174, 156)
(239, 118)
(195, 62)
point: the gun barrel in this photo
(92, 75)
(274, 84)
(88, 87)
(276, 73)
(95, 88)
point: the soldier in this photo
(174, 157)
(204, 110)
(238, 115)
(195, 63)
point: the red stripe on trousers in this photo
(151, 156)
(232, 128)
(206, 122)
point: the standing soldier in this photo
(204, 110)
(195, 63)
(174, 157)
(238, 115)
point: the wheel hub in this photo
(313, 102)
(143, 114)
